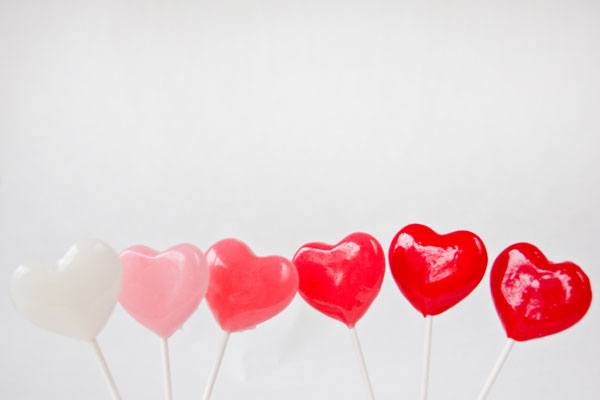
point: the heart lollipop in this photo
(535, 297)
(162, 289)
(74, 296)
(342, 280)
(245, 290)
(435, 272)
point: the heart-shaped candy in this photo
(162, 289)
(244, 289)
(435, 272)
(74, 296)
(535, 297)
(341, 280)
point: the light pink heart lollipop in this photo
(161, 290)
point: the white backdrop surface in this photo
(283, 122)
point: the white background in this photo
(282, 122)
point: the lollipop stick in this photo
(499, 363)
(166, 368)
(426, 357)
(105, 371)
(215, 371)
(361, 361)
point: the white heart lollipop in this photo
(74, 296)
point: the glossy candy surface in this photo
(162, 289)
(244, 289)
(341, 280)
(74, 296)
(435, 272)
(535, 297)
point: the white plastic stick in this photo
(215, 371)
(361, 361)
(166, 369)
(426, 357)
(499, 363)
(105, 371)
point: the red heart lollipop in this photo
(535, 297)
(435, 272)
(244, 289)
(342, 280)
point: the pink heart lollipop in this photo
(161, 290)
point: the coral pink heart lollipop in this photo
(245, 290)
(162, 289)
(342, 280)
(535, 297)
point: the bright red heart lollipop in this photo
(244, 289)
(341, 280)
(535, 297)
(435, 272)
